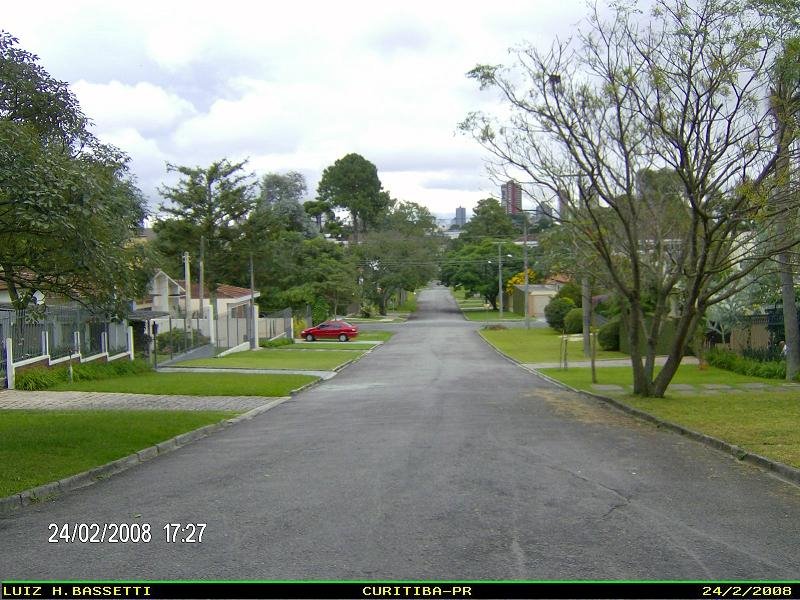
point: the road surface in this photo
(431, 458)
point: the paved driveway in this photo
(432, 457)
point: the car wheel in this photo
(342, 337)
(309, 338)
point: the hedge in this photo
(730, 361)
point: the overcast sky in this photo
(290, 86)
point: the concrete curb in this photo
(783, 471)
(50, 491)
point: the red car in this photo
(341, 330)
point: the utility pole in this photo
(201, 271)
(525, 267)
(500, 277)
(253, 319)
(187, 313)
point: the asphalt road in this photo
(431, 458)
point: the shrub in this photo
(608, 336)
(119, 368)
(320, 311)
(40, 378)
(176, 340)
(571, 291)
(725, 359)
(495, 327)
(276, 343)
(556, 310)
(768, 354)
(573, 321)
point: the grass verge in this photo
(491, 315)
(760, 421)
(38, 447)
(277, 359)
(539, 345)
(319, 345)
(197, 384)
(375, 336)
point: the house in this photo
(168, 295)
(539, 296)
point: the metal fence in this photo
(234, 330)
(175, 336)
(57, 332)
(2, 359)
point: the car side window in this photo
(323, 326)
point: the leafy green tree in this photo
(318, 269)
(281, 195)
(489, 221)
(410, 219)
(352, 183)
(627, 94)
(69, 207)
(474, 267)
(390, 261)
(320, 211)
(212, 202)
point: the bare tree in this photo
(684, 92)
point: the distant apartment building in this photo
(511, 197)
(461, 217)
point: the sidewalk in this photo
(47, 400)
(613, 362)
(320, 374)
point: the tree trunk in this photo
(791, 328)
(586, 301)
(355, 227)
(784, 136)
(790, 325)
(641, 383)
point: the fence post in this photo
(45, 343)
(76, 342)
(104, 342)
(9, 358)
(212, 325)
(130, 342)
(171, 337)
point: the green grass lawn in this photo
(196, 384)
(38, 447)
(391, 317)
(761, 421)
(320, 345)
(581, 377)
(375, 336)
(491, 315)
(539, 345)
(410, 305)
(464, 301)
(269, 358)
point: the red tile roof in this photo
(223, 290)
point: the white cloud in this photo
(142, 106)
(292, 86)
